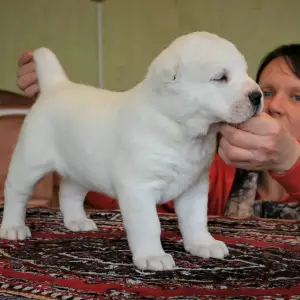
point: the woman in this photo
(257, 160)
(273, 147)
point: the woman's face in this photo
(281, 90)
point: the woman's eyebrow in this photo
(266, 86)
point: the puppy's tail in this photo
(49, 70)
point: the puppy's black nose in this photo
(255, 98)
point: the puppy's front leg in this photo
(143, 231)
(191, 209)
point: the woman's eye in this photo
(297, 97)
(267, 94)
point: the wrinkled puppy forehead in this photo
(207, 48)
(196, 54)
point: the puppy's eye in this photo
(221, 78)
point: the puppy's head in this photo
(201, 73)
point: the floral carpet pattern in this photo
(264, 262)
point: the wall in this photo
(135, 31)
(68, 27)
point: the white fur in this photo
(145, 146)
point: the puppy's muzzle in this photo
(256, 99)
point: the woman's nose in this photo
(275, 105)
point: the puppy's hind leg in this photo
(71, 198)
(25, 170)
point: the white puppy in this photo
(145, 146)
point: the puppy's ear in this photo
(165, 68)
(170, 69)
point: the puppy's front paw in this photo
(161, 262)
(83, 224)
(20, 232)
(213, 248)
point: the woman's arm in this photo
(290, 180)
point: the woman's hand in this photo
(261, 143)
(27, 77)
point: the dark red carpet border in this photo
(264, 262)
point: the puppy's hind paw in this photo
(20, 232)
(83, 224)
(155, 263)
(214, 249)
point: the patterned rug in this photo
(264, 262)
